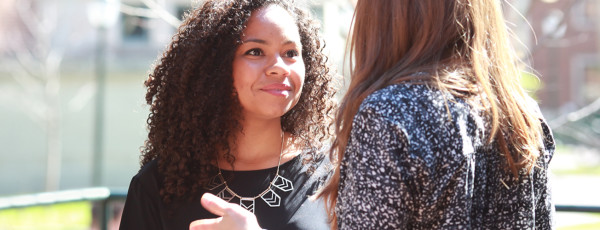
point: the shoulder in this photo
(314, 166)
(425, 122)
(149, 170)
(148, 177)
(404, 93)
(547, 143)
(403, 102)
(315, 162)
(323, 166)
(411, 108)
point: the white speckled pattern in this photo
(409, 165)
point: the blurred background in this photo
(72, 110)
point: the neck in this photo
(258, 146)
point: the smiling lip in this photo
(277, 89)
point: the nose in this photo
(278, 68)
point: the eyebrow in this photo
(255, 40)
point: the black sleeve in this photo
(141, 209)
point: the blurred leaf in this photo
(530, 83)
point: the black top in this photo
(418, 158)
(144, 208)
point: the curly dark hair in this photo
(194, 108)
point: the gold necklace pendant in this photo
(270, 197)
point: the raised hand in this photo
(232, 216)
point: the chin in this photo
(278, 114)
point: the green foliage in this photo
(583, 166)
(582, 170)
(530, 83)
(63, 216)
(586, 226)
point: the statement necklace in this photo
(268, 195)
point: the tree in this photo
(33, 58)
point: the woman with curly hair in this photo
(241, 106)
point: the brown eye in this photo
(292, 53)
(254, 52)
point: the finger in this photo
(205, 224)
(214, 204)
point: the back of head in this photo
(407, 36)
(462, 46)
(402, 35)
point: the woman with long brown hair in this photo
(435, 131)
(241, 103)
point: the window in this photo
(585, 14)
(135, 28)
(591, 83)
(181, 10)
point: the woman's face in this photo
(268, 70)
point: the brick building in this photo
(566, 55)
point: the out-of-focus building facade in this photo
(566, 58)
(565, 54)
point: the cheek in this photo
(300, 84)
(238, 75)
(301, 73)
(236, 82)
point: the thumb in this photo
(233, 216)
(214, 204)
(205, 224)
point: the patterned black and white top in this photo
(411, 163)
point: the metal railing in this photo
(577, 208)
(104, 214)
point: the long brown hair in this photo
(463, 47)
(194, 110)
